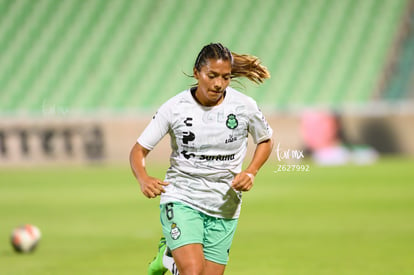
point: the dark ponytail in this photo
(243, 65)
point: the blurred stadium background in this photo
(80, 79)
(73, 72)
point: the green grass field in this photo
(336, 220)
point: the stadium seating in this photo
(94, 56)
(401, 85)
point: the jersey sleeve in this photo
(156, 129)
(259, 129)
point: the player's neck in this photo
(206, 104)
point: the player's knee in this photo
(195, 268)
(191, 271)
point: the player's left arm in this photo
(244, 180)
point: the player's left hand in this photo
(243, 181)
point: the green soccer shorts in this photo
(182, 225)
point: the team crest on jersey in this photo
(231, 121)
(175, 231)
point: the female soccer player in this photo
(201, 193)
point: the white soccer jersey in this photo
(208, 147)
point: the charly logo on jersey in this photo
(188, 121)
(175, 231)
(231, 121)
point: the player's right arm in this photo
(150, 186)
(149, 138)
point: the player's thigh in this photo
(212, 268)
(218, 237)
(190, 259)
(181, 225)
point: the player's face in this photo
(213, 79)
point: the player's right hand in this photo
(152, 187)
